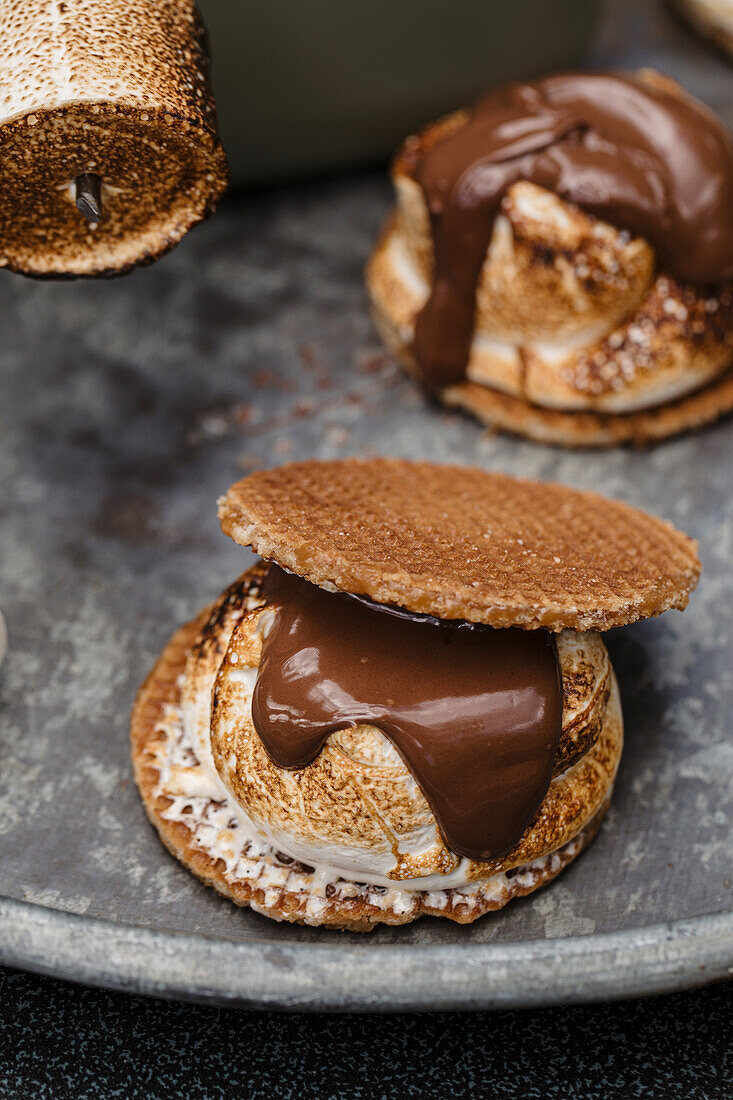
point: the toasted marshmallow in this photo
(357, 810)
(569, 313)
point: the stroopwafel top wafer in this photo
(460, 543)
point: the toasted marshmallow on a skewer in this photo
(109, 151)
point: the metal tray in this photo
(128, 407)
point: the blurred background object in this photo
(713, 19)
(307, 87)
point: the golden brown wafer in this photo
(460, 543)
(499, 410)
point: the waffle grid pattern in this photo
(461, 543)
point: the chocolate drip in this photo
(475, 713)
(626, 151)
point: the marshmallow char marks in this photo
(560, 260)
(113, 92)
(367, 737)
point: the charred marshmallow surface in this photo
(635, 155)
(356, 814)
(475, 713)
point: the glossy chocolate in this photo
(475, 713)
(637, 156)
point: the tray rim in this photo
(342, 977)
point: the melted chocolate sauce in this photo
(632, 154)
(475, 713)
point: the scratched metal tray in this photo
(128, 407)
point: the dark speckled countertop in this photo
(59, 1040)
(64, 1042)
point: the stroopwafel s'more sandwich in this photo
(560, 260)
(406, 707)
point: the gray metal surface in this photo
(342, 975)
(127, 407)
